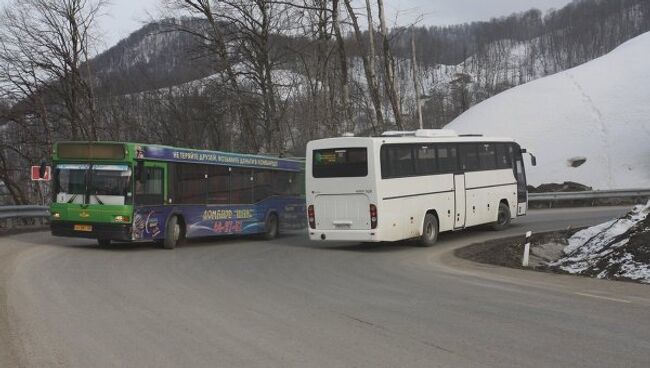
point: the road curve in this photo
(296, 303)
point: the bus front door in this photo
(520, 176)
(459, 201)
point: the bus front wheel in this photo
(503, 217)
(173, 233)
(271, 227)
(429, 231)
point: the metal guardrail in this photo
(23, 211)
(11, 216)
(588, 195)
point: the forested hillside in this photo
(258, 76)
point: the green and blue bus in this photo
(113, 191)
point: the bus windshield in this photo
(93, 184)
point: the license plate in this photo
(83, 228)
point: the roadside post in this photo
(40, 174)
(524, 261)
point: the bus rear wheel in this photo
(271, 227)
(503, 217)
(173, 233)
(429, 231)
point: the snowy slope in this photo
(599, 111)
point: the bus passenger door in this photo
(459, 201)
(520, 176)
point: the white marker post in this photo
(524, 261)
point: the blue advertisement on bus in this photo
(172, 154)
(206, 220)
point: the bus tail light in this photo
(312, 216)
(373, 216)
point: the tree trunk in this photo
(368, 67)
(389, 67)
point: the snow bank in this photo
(618, 249)
(599, 111)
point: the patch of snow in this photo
(598, 111)
(588, 248)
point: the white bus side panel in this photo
(485, 189)
(405, 201)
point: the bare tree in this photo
(416, 85)
(343, 60)
(44, 48)
(389, 67)
(45, 76)
(242, 32)
(368, 56)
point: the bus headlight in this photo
(56, 215)
(120, 218)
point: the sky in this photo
(125, 16)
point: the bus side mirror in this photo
(533, 159)
(139, 171)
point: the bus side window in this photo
(241, 185)
(397, 161)
(425, 159)
(149, 189)
(218, 185)
(504, 161)
(447, 160)
(468, 153)
(264, 184)
(487, 156)
(191, 181)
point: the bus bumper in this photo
(119, 232)
(344, 235)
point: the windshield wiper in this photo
(72, 198)
(97, 198)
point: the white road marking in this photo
(604, 297)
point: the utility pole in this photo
(415, 77)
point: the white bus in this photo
(406, 185)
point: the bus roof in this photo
(341, 141)
(127, 151)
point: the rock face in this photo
(589, 124)
(618, 249)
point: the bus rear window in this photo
(340, 163)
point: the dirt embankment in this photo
(509, 252)
(618, 249)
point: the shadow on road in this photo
(288, 239)
(91, 244)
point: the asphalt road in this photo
(296, 303)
